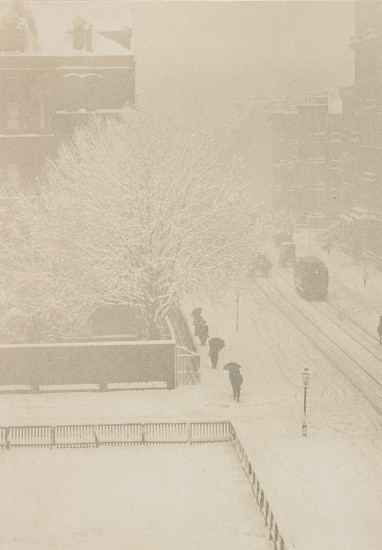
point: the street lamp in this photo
(237, 307)
(305, 382)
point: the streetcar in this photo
(311, 278)
(261, 265)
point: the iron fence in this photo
(77, 436)
(279, 541)
(187, 354)
(89, 435)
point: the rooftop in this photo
(48, 24)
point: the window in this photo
(78, 37)
(81, 91)
(13, 116)
(13, 174)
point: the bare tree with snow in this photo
(135, 211)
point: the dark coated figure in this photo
(203, 333)
(197, 319)
(236, 382)
(216, 345)
(214, 356)
(198, 324)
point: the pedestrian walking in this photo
(379, 330)
(329, 247)
(197, 319)
(203, 333)
(198, 323)
(236, 380)
(214, 356)
(216, 344)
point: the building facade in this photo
(307, 138)
(54, 77)
(361, 219)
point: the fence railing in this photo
(279, 542)
(77, 436)
(187, 367)
(187, 353)
(114, 434)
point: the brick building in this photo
(306, 159)
(361, 219)
(56, 70)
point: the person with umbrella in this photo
(197, 320)
(236, 379)
(196, 312)
(216, 345)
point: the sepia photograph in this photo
(191, 275)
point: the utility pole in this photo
(305, 381)
(237, 308)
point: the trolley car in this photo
(311, 278)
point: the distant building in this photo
(362, 161)
(247, 133)
(306, 159)
(55, 72)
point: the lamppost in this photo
(305, 381)
(237, 308)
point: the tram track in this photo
(359, 366)
(353, 329)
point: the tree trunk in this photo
(153, 330)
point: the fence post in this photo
(8, 444)
(95, 436)
(53, 437)
(143, 433)
(189, 433)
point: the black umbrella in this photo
(232, 367)
(196, 312)
(216, 343)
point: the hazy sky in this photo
(196, 58)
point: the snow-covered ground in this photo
(326, 489)
(155, 497)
